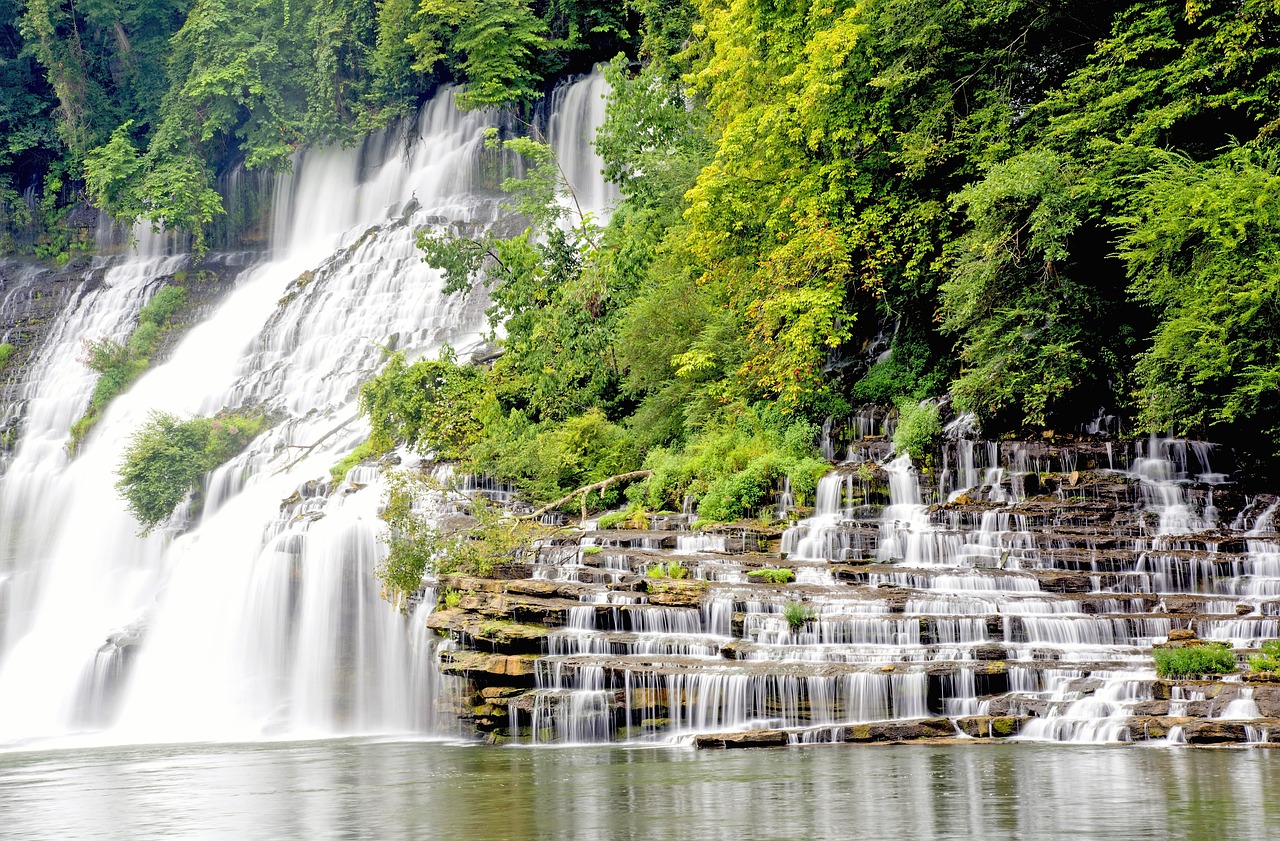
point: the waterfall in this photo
(262, 617)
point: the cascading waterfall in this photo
(261, 617)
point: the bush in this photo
(797, 614)
(671, 569)
(473, 545)
(771, 576)
(731, 469)
(1212, 658)
(6, 351)
(1268, 659)
(167, 458)
(919, 428)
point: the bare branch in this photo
(586, 489)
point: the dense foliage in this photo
(475, 540)
(1212, 658)
(168, 457)
(1026, 211)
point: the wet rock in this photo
(674, 593)
(900, 731)
(747, 739)
(1150, 708)
(986, 726)
(1143, 728)
(490, 669)
(1209, 732)
(1181, 634)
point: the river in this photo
(356, 789)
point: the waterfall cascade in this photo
(260, 615)
(1018, 588)
(1019, 593)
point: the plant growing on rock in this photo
(424, 537)
(671, 569)
(1268, 659)
(772, 576)
(119, 365)
(167, 458)
(919, 428)
(1213, 658)
(797, 614)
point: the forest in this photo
(1036, 214)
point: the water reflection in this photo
(387, 791)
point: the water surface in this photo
(421, 790)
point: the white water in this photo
(262, 618)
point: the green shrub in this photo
(797, 614)
(451, 598)
(1268, 659)
(6, 351)
(167, 457)
(772, 576)
(731, 469)
(671, 569)
(611, 520)
(473, 545)
(919, 428)
(592, 550)
(1212, 658)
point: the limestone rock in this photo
(746, 739)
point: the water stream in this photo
(257, 613)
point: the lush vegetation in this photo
(168, 457)
(476, 540)
(119, 365)
(771, 576)
(673, 570)
(1026, 211)
(1213, 658)
(6, 353)
(1267, 659)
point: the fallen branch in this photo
(306, 451)
(586, 489)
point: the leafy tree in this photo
(1203, 248)
(494, 44)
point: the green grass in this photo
(1213, 658)
(340, 470)
(6, 351)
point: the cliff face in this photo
(1025, 600)
(35, 296)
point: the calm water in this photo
(360, 789)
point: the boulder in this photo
(900, 731)
(987, 726)
(746, 739)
